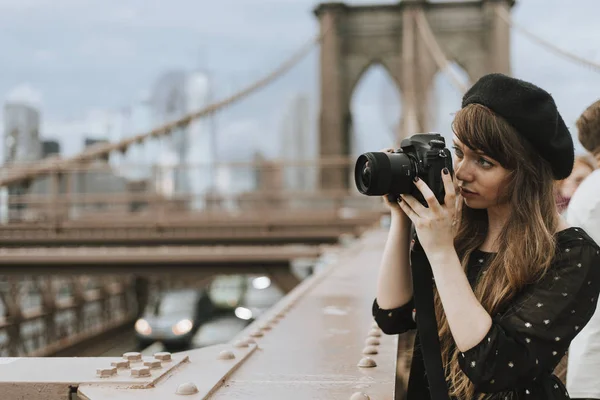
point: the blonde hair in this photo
(588, 127)
(526, 244)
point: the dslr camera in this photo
(422, 155)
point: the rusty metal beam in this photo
(151, 260)
(327, 235)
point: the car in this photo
(173, 317)
(246, 296)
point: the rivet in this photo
(375, 333)
(367, 362)
(250, 341)
(370, 350)
(226, 355)
(106, 372)
(257, 334)
(120, 364)
(163, 356)
(372, 341)
(186, 389)
(265, 327)
(133, 356)
(359, 396)
(153, 364)
(240, 343)
(140, 372)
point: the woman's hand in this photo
(433, 224)
(394, 207)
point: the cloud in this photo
(25, 93)
(107, 46)
(97, 54)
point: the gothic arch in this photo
(355, 37)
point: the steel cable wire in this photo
(505, 16)
(55, 164)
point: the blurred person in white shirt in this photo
(584, 211)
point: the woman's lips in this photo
(467, 193)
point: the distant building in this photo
(50, 148)
(21, 133)
(21, 145)
(299, 144)
(176, 94)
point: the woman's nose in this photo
(461, 171)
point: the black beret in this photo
(532, 112)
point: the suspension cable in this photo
(436, 51)
(505, 16)
(20, 173)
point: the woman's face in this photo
(480, 178)
(570, 184)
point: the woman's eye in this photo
(485, 163)
(458, 152)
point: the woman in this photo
(514, 283)
(566, 188)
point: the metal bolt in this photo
(106, 372)
(367, 362)
(265, 327)
(372, 341)
(256, 334)
(359, 396)
(153, 364)
(375, 333)
(186, 389)
(133, 356)
(140, 372)
(370, 350)
(226, 355)
(240, 343)
(120, 364)
(163, 356)
(250, 341)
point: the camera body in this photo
(422, 155)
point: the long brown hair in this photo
(526, 244)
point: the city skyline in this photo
(119, 67)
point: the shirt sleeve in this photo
(397, 320)
(584, 207)
(532, 336)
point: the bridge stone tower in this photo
(471, 34)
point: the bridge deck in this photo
(309, 347)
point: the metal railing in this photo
(45, 315)
(101, 189)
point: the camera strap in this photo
(426, 322)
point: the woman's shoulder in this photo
(574, 236)
(576, 249)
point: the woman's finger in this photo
(414, 204)
(410, 213)
(450, 197)
(428, 195)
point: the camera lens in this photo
(379, 173)
(366, 175)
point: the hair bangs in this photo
(478, 128)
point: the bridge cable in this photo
(505, 16)
(55, 164)
(436, 51)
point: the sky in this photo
(82, 61)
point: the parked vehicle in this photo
(174, 317)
